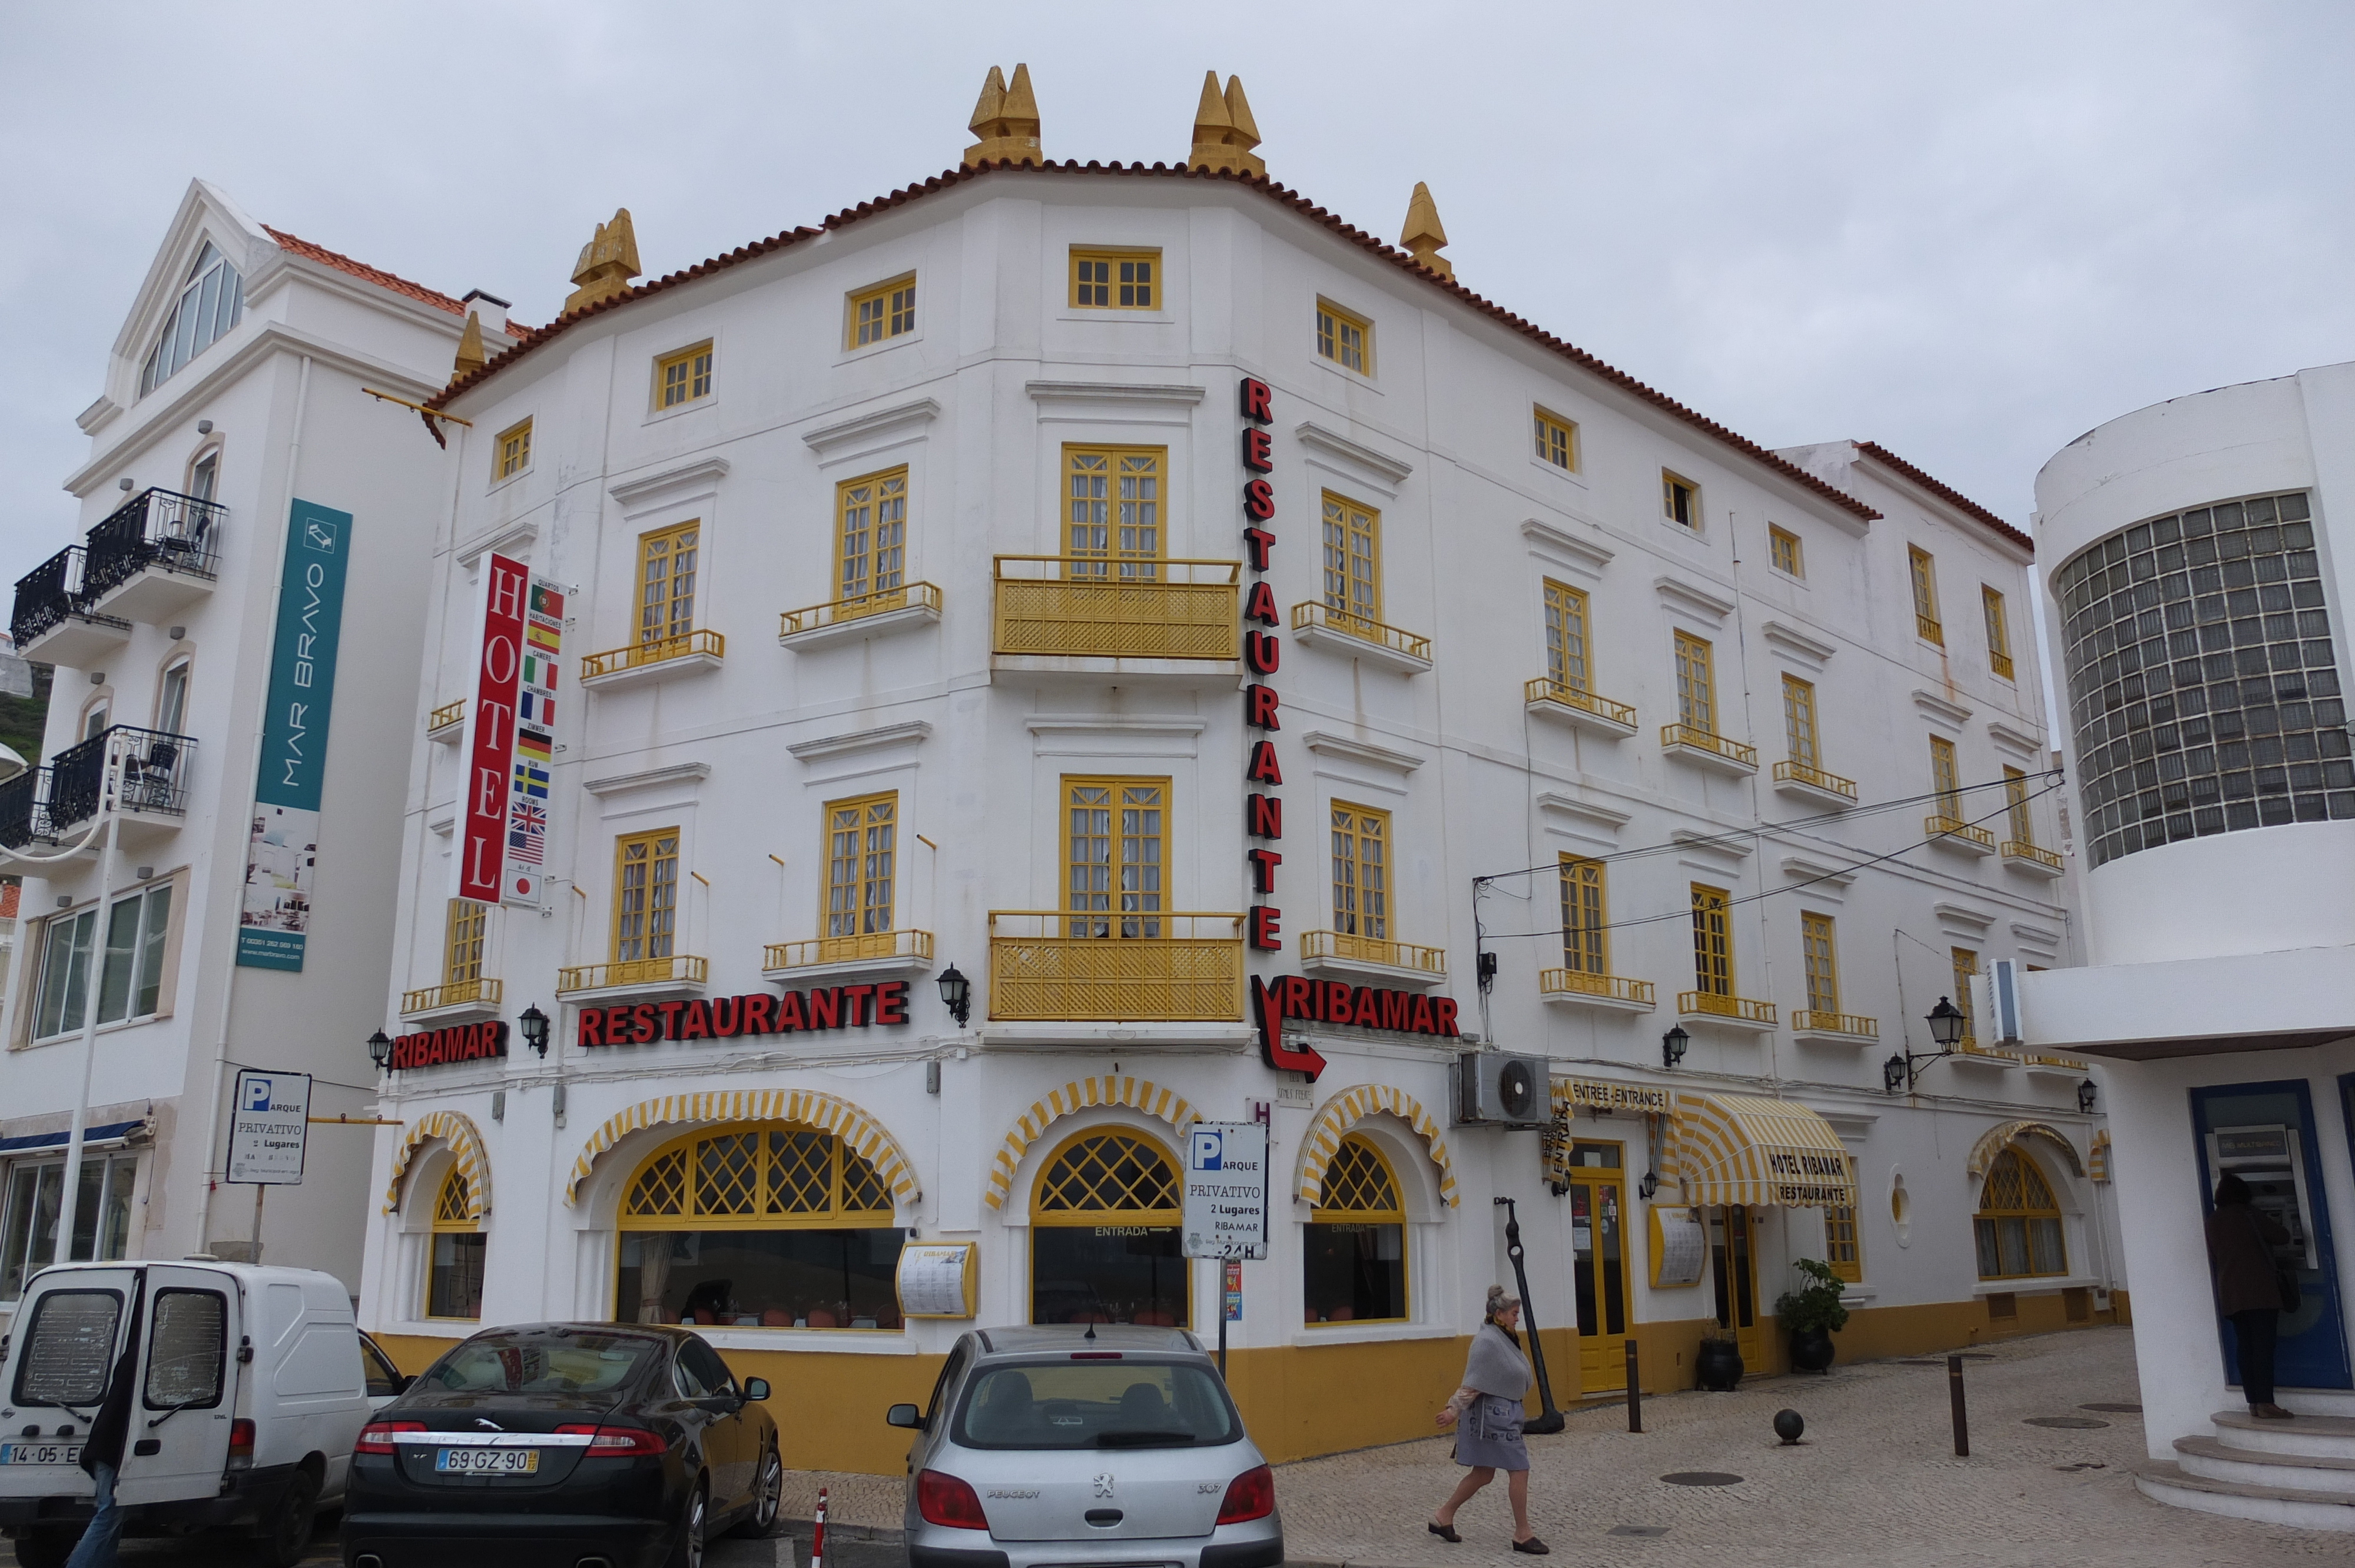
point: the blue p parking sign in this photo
(1226, 1190)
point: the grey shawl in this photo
(1496, 1364)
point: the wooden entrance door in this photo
(1598, 1209)
(1735, 1264)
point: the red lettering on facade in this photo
(1259, 452)
(892, 1002)
(854, 1004)
(1397, 1008)
(1263, 863)
(1444, 1007)
(789, 1012)
(1259, 504)
(1266, 928)
(694, 1021)
(1260, 605)
(646, 1028)
(1420, 1020)
(1259, 542)
(1264, 768)
(1258, 400)
(822, 1008)
(756, 1014)
(1262, 652)
(1259, 705)
(591, 1030)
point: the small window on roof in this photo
(1345, 338)
(1679, 499)
(514, 448)
(1557, 441)
(210, 303)
(1115, 280)
(1783, 551)
(683, 377)
(882, 313)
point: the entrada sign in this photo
(459, 1043)
(727, 1017)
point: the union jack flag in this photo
(527, 829)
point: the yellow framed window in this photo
(462, 943)
(1923, 573)
(512, 451)
(1696, 684)
(1105, 1240)
(2019, 1221)
(453, 1270)
(1946, 778)
(1998, 634)
(861, 857)
(667, 560)
(1353, 1259)
(871, 535)
(1679, 499)
(1116, 851)
(1782, 552)
(1361, 871)
(1557, 441)
(1345, 339)
(1816, 946)
(645, 895)
(1112, 500)
(1566, 661)
(1353, 560)
(883, 313)
(1585, 917)
(1799, 722)
(1115, 280)
(1713, 941)
(1843, 1240)
(1965, 965)
(2015, 800)
(683, 377)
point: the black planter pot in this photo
(1811, 1351)
(1718, 1365)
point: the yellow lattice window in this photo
(1712, 942)
(1799, 721)
(645, 895)
(1998, 634)
(871, 533)
(1696, 684)
(1946, 778)
(450, 1205)
(1345, 339)
(1114, 851)
(1965, 965)
(1822, 963)
(684, 376)
(1104, 1173)
(1586, 927)
(1357, 1184)
(1567, 660)
(461, 947)
(453, 1268)
(1354, 1246)
(1843, 1240)
(1782, 552)
(1353, 560)
(1115, 280)
(666, 572)
(760, 1176)
(2019, 1222)
(882, 313)
(513, 447)
(862, 854)
(1557, 440)
(1923, 573)
(1362, 883)
(2015, 800)
(1106, 1247)
(1112, 497)
(1679, 499)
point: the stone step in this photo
(2316, 1401)
(2163, 1480)
(2327, 1436)
(2303, 1472)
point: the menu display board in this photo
(1680, 1248)
(936, 1279)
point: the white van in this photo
(251, 1387)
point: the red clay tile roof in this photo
(376, 275)
(1954, 498)
(533, 338)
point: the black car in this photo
(567, 1444)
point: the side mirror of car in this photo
(903, 1416)
(756, 1388)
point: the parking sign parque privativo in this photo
(1226, 1190)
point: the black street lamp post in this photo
(534, 1024)
(956, 994)
(1947, 1025)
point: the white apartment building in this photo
(232, 450)
(1139, 595)
(2197, 606)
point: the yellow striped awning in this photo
(1738, 1149)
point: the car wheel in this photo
(768, 1497)
(286, 1535)
(46, 1548)
(689, 1553)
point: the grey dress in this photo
(1488, 1431)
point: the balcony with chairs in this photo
(460, 1001)
(54, 622)
(1818, 1028)
(905, 608)
(1354, 636)
(1581, 709)
(829, 957)
(2032, 860)
(1148, 967)
(1372, 959)
(1951, 832)
(1708, 750)
(654, 659)
(1085, 615)
(1803, 781)
(152, 795)
(1583, 989)
(634, 980)
(157, 553)
(1738, 1012)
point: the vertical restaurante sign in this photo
(489, 742)
(282, 847)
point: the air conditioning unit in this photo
(1494, 1088)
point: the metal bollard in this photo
(1635, 1391)
(1962, 1417)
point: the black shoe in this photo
(1444, 1532)
(1534, 1547)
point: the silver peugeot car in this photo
(1114, 1446)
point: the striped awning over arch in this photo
(465, 1141)
(1137, 1093)
(808, 1107)
(1336, 1116)
(2098, 1164)
(1740, 1148)
(1992, 1142)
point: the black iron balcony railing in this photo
(24, 816)
(156, 769)
(154, 528)
(47, 594)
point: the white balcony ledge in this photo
(1713, 752)
(644, 663)
(1559, 704)
(1354, 637)
(1598, 993)
(886, 614)
(1400, 964)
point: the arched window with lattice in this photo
(2019, 1222)
(1105, 1241)
(1353, 1265)
(762, 1225)
(453, 1270)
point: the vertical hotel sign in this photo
(508, 743)
(282, 848)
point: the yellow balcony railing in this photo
(2067, 1063)
(1116, 967)
(1808, 1021)
(922, 595)
(1702, 740)
(446, 714)
(1372, 950)
(1942, 826)
(1999, 663)
(2035, 855)
(1968, 1045)
(1083, 608)
(1928, 629)
(867, 946)
(1319, 614)
(1714, 1005)
(434, 998)
(656, 651)
(1544, 689)
(680, 968)
(1800, 773)
(1577, 983)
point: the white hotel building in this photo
(911, 623)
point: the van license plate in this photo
(487, 1461)
(40, 1453)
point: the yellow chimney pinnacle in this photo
(1224, 130)
(1006, 121)
(1423, 236)
(471, 357)
(607, 263)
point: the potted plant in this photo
(1813, 1314)
(1718, 1363)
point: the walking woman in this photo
(1487, 1414)
(2241, 1241)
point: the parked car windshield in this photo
(1096, 1404)
(543, 1363)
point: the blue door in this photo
(2267, 1132)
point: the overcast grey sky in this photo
(1968, 232)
